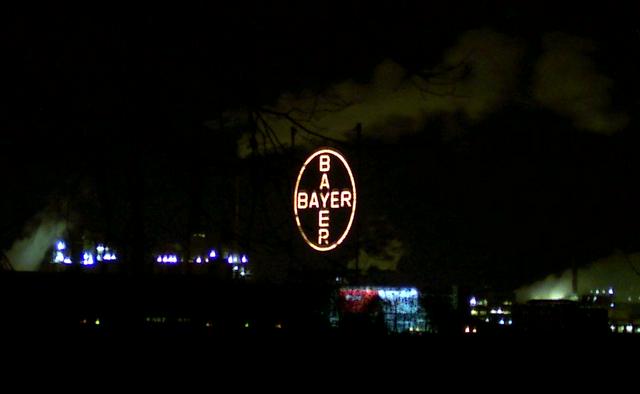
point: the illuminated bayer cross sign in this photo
(325, 199)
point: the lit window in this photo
(59, 257)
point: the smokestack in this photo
(611, 271)
(574, 278)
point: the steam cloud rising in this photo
(614, 271)
(27, 254)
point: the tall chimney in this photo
(574, 278)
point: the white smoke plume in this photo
(618, 271)
(567, 81)
(390, 104)
(28, 253)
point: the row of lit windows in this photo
(230, 258)
(625, 328)
(89, 257)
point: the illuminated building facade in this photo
(90, 256)
(201, 258)
(623, 314)
(589, 313)
(488, 311)
(237, 264)
(398, 308)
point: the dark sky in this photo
(528, 164)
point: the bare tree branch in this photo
(268, 130)
(331, 103)
(440, 77)
(295, 122)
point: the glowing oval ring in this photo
(353, 208)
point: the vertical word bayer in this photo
(325, 191)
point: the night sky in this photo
(499, 141)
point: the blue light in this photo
(87, 259)
(59, 257)
(396, 294)
(473, 301)
(61, 245)
(162, 259)
(244, 259)
(67, 261)
(212, 254)
(100, 248)
(230, 259)
(199, 260)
